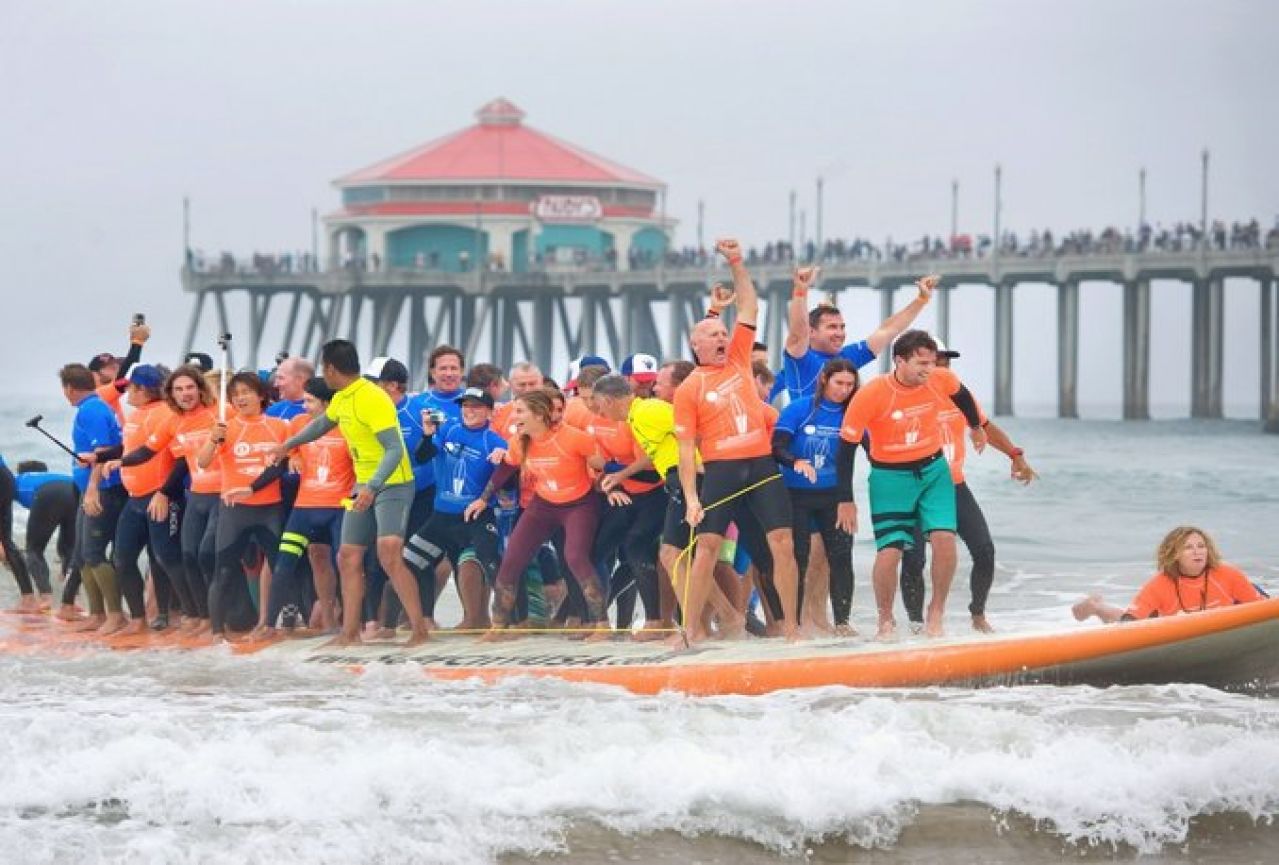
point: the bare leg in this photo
(1094, 605)
(325, 584)
(943, 550)
(884, 578)
(781, 544)
(813, 616)
(697, 589)
(470, 587)
(351, 568)
(390, 552)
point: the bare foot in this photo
(887, 632)
(343, 640)
(681, 641)
(138, 626)
(603, 633)
(115, 624)
(981, 626)
(92, 623)
(1085, 608)
(934, 626)
(69, 613)
(27, 604)
(845, 630)
(430, 624)
(418, 636)
(652, 631)
(262, 632)
(379, 634)
(497, 634)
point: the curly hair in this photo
(1170, 548)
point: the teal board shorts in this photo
(917, 493)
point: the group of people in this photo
(341, 501)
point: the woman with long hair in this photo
(1192, 578)
(552, 461)
(807, 445)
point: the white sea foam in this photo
(114, 759)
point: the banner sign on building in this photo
(568, 208)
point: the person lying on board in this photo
(1192, 578)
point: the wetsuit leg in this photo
(640, 549)
(912, 577)
(98, 535)
(580, 520)
(536, 524)
(976, 536)
(17, 563)
(166, 551)
(48, 512)
(839, 553)
(130, 539)
(200, 508)
(234, 534)
(802, 508)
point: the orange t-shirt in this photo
(184, 435)
(501, 421)
(577, 413)
(139, 427)
(954, 428)
(719, 407)
(245, 454)
(902, 421)
(617, 444)
(327, 475)
(556, 464)
(111, 395)
(1164, 596)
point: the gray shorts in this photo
(389, 517)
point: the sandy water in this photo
(204, 757)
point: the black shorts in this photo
(674, 528)
(769, 502)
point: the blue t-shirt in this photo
(801, 374)
(462, 466)
(779, 385)
(411, 416)
(95, 426)
(30, 483)
(814, 437)
(285, 409)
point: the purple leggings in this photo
(538, 524)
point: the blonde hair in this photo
(1170, 548)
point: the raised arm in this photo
(743, 286)
(882, 337)
(797, 311)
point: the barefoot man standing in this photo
(719, 414)
(384, 481)
(909, 479)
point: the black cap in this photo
(101, 360)
(319, 388)
(200, 359)
(475, 394)
(387, 369)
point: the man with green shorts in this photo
(384, 486)
(910, 481)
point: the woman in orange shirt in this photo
(245, 445)
(1192, 578)
(553, 461)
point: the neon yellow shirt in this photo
(362, 410)
(652, 422)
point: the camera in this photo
(436, 416)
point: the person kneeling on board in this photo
(1192, 578)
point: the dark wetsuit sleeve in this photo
(113, 452)
(845, 460)
(426, 449)
(137, 457)
(131, 357)
(269, 475)
(781, 448)
(963, 400)
(177, 479)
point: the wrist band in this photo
(799, 292)
(736, 259)
(1017, 452)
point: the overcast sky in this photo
(112, 112)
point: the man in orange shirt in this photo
(719, 414)
(910, 481)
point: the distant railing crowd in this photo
(1180, 237)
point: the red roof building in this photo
(499, 192)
